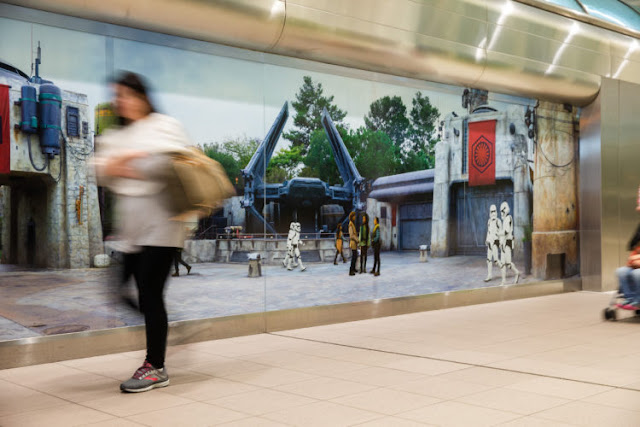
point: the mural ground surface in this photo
(43, 302)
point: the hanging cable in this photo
(46, 160)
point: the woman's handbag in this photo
(198, 184)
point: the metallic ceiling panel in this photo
(521, 76)
(252, 24)
(500, 45)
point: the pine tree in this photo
(308, 105)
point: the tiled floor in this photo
(548, 361)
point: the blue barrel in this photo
(28, 109)
(50, 109)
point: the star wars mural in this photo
(306, 145)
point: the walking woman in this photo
(353, 243)
(365, 242)
(376, 243)
(133, 162)
(339, 243)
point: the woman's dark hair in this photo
(138, 84)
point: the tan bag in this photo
(199, 184)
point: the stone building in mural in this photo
(50, 209)
(460, 211)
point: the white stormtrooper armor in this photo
(506, 243)
(289, 255)
(494, 230)
(295, 248)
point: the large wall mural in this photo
(486, 183)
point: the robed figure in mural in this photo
(339, 244)
(364, 242)
(506, 244)
(353, 243)
(376, 243)
(494, 229)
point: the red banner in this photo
(482, 153)
(5, 135)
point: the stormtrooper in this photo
(289, 254)
(494, 229)
(506, 243)
(294, 248)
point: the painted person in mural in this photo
(353, 243)
(506, 244)
(376, 243)
(494, 229)
(364, 242)
(629, 275)
(339, 243)
(133, 162)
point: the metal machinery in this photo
(300, 198)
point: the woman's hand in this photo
(120, 166)
(634, 261)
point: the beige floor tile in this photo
(521, 402)
(618, 398)
(270, 377)
(190, 415)
(38, 375)
(378, 376)
(534, 422)
(442, 388)
(472, 357)
(15, 399)
(63, 416)
(424, 366)
(392, 422)
(127, 404)
(254, 422)
(324, 388)
(591, 414)
(458, 414)
(488, 376)
(322, 414)
(572, 390)
(262, 401)
(184, 358)
(209, 389)
(367, 357)
(116, 422)
(80, 389)
(227, 367)
(386, 401)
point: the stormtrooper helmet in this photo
(292, 226)
(298, 227)
(493, 212)
(504, 209)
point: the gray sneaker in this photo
(146, 378)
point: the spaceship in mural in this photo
(300, 198)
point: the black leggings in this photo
(363, 258)
(376, 258)
(150, 268)
(178, 259)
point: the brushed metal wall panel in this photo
(590, 199)
(610, 146)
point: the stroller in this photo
(616, 303)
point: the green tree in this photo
(286, 160)
(319, 161)
(373, 152)
(389, 115)
(228, 162)
(308, 105)
(242, 149)
(424, 119)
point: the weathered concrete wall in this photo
(512, 154)
(555, 220)
(60, 202)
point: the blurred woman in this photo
(376, 243)
(365, 242)
(133, 161)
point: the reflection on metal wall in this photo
(498, 45)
